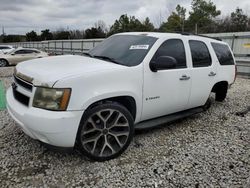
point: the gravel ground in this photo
(211, 149)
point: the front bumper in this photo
(51, 127)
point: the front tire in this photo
(105, 131)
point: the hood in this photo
(46, 71)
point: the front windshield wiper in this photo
(87, 54)
(107, 58)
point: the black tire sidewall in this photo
(89, 112)
(6, 62)
(221, 95)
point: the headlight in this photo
(51, 98)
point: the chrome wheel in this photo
(105, 133)
(3, 63)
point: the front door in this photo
(167, 91)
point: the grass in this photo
(2, 97)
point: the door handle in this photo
(212, 74)
(184, 77)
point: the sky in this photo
(22, 16)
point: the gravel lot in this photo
(211, 149)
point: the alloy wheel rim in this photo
(105, 133)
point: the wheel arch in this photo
(219, 85)
(127, 101)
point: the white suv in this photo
(130, 81)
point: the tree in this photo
(202, 15)
(130, 23)
(13, 38)
(239, 20)
(77, 34)
(181, 12)
(61, 35)
(101, 24)
(94, 33)
(46, 35)
(147, 25)
(175, 22)
(32, 36)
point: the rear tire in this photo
(221, 94)
(105, 131)
(3, 63)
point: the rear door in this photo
(167, 91)
(204, 72)
(23, 55)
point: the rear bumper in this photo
(53, 128)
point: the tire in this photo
(221, 94)
(207, 105)
(3, 63)
(105, 131)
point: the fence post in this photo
(82, 46)
(55, 46)
(71, 46)
(62, 47)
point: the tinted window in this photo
(19, 52)
(223, 54)
(200, 54)
(173, 48)
(4, 47)
(128, 50)
(30, 51)
(24, 52)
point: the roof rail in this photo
(186, 33)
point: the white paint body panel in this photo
(92, 80)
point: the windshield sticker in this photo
(139, 47)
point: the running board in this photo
(167, 119)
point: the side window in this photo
(19, 52)
(200, 54)
(4, 47)
(223, 54)
(28, 51)
(173, 48)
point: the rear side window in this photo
(223, 54)
(173, 48)
(200, 54)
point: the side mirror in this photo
(12, 53)
(163, 63)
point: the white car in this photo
(130, 81)
(6, 49)
(19, 55)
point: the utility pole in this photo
(3, 31)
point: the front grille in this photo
(21, 98)
(22, 83)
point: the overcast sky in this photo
(21, 16)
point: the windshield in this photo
(128, 50)
(11, 51)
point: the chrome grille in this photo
(23, 83)
(22, 90)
